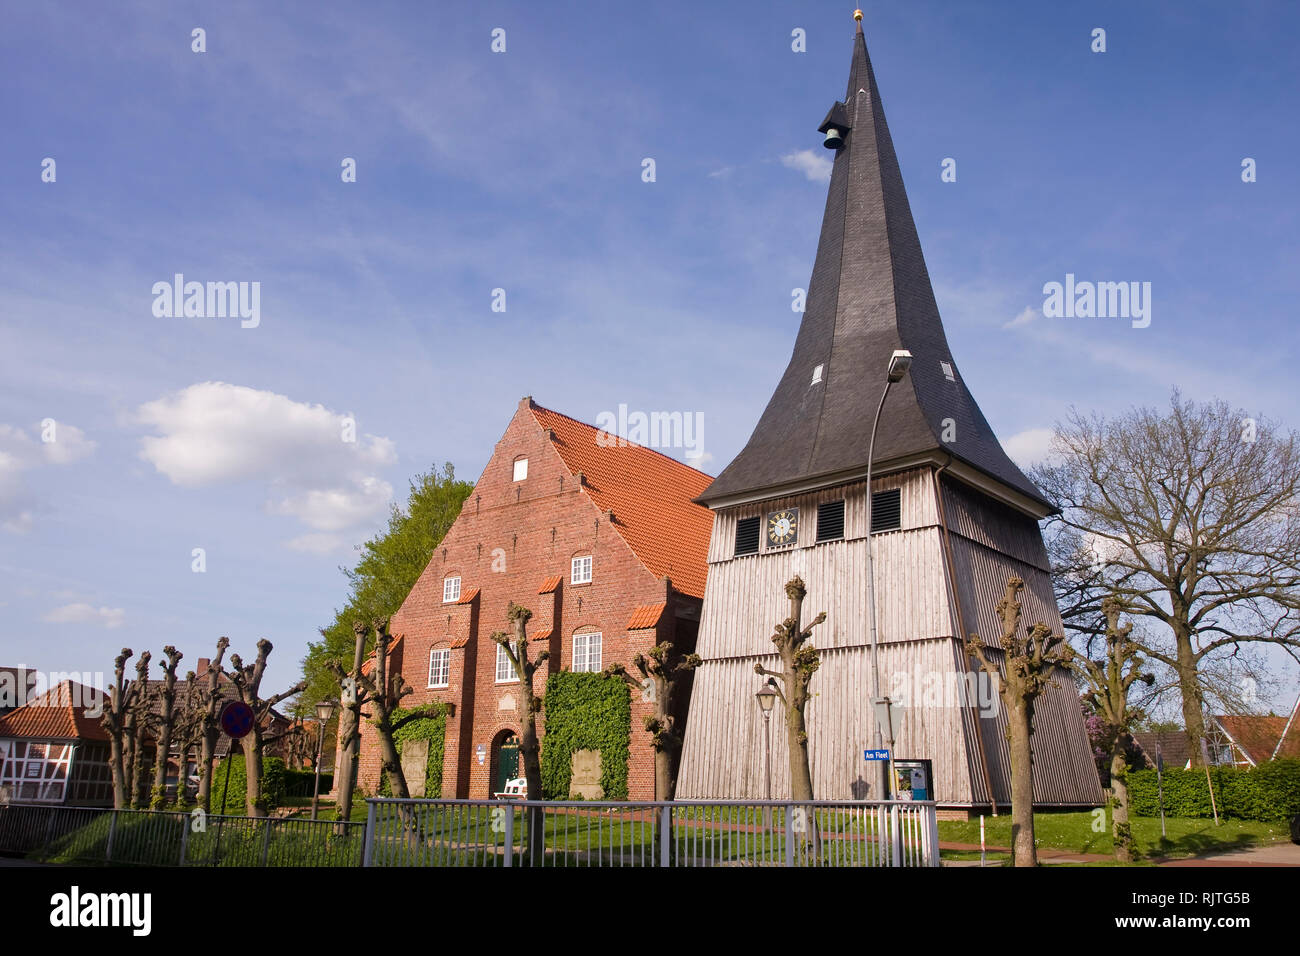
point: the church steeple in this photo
(870, 294)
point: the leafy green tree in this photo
(389, 566)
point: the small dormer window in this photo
(947, 371)
(521, 469)
(817, 374)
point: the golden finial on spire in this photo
(857, 15)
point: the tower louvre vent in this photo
(886, 510)
(830, 520)
(747, 535)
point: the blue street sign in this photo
(876, 754)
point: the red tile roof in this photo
(53, 716)
(650, 495)
(543, 635)
(469, 596)
(460, 642)
(1258, 736)
(550, 584)
(647, 615)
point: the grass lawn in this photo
(1073, 832)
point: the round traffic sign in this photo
(237, 719)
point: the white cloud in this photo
(214, 432)
(334, 509)
(55, 443)
(109, 617)
(1024, 318)
(813, 165)
(316, 543)
(1030, 447)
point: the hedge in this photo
(236, 803)
(432, 729)
(586, 712)
(302, 783)
(1269, 792)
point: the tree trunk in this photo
(800, 773)
(117, 766)
(1121, 831)
(1190, 687)
(1019, 724)
(349, 738)
(252, 748)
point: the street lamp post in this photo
(899, 362)
(766, 699)
(324, 711)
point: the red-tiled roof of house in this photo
(543, 635)
(469, 596)
(649, 494)
(58, 714)
(647, 615)
(1258, 736)
(550, 584)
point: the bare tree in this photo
(799, 661)
(121, 704)
(1191, 518)
(351, 697)
(1031, 663)
(187, 732)
(247, 682)
(516, 648)
(138, 725)
(166, 728)
(383, 693)
(1107, 682)
(209, 704)
(660, 669)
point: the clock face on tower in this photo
(783, 527)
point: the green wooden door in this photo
(507, 762)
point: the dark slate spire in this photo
(869, 294)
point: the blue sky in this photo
(522, 171)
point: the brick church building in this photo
(600, 539)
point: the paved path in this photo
(1272, 854)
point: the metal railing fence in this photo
(699, 833)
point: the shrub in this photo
(433, 729)
(236, 802)
(1268, 793)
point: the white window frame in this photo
(443, 656)
(585, 661)
(577, 569)
(521, 469)
(450, 589)
(505, 667)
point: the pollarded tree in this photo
(1031, 661)
(1107, 683)
(247, 682)
(1192, 519)
(166, 731)
(383, 692)
(139, 722)
(660, 670)
(516, 648)
(799, 661)
(209, 705)
(121, 704)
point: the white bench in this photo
(516, 789)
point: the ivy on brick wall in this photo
(586, 712)
(1269, 792)
(432, 729)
